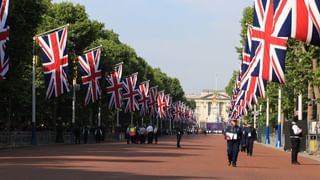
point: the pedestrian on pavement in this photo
(233, 136)
(133, 134)
(295, 136)
(179, 132)
(85, 134)
(142, 134)
(250, 136)
(77, 133)
(243, 142)
(98, 134)
(150, 134)
(155, 134)
(128, 135)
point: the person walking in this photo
(295, 136)
(243, 142)
(128, 134)
(233, 136)
(250, 136)
(150, 134)
(85, 134)
(179, 135)
(155, 134)
(142, 135)
(98, 134)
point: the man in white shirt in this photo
(150, 134)
(295, 136)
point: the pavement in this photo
(201, 157)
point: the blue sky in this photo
(193, 40)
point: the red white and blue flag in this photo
(161, 104)
(176, 111)
(299, 19)
(130, 93)
(144, 98)
(167, 107)
(268, 48)
(4, 37)
(90, 72)
(55, 61)
(153, 101)
(114, 87)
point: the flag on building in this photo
(54, 59)
(4, 37)
(90, 72)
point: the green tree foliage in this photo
(28, 18)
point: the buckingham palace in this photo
(211, 106)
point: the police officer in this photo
(243, 142)
(251, 136)
(179, 135)
(233, 136)
(295, 135)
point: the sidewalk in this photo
(201, 157)
(303, 154)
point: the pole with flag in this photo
(34, 60)
(279, 145)
(53, 51)
(267, 123)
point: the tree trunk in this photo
(310, 103)
(316, 88)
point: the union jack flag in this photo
(55, 61)
(114, 87)
(91, 74)
(144, 98)
(130, 93)
(153, 101)
(161, 104)
(176, 111)
(168, 102)
(299, 19)
(267, 47)
(4, 36)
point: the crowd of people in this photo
(141, 135)
(239, 138)
(242, 139)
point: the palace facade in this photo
(211, 107)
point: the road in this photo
(201, 157)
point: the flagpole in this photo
(118, 124)
(74, 83)
(267, 123)
(51, 30)
(300, 107)
(254, 116)
(278, 145)
(131, 118)
(33, 133)
(92, 49)
(99, 114)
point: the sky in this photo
(192, 40)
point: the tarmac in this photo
(201, 157)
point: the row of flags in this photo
(54, 58)
(274, 22)
(124, 91)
